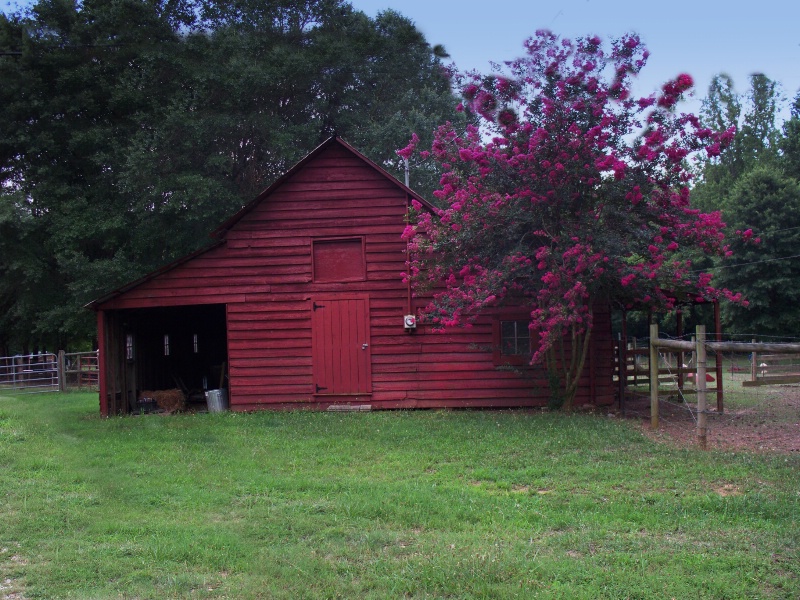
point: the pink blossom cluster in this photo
(569, 192)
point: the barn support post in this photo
(623, 361)
(701, 387)
(102, 374)
(621, 374)
(592, 379)
(653, 376)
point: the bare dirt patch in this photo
(10, 588)
(728, 490)
(765, 419)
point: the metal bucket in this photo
(217, 400)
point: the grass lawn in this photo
(428, 504)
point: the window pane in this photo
(129, 347)
(514, 338)
(523, 338)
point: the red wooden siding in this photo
(280, 349)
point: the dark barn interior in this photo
(174, 347)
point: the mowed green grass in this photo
(427, 504)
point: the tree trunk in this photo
(571, 368)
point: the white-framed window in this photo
(515, 338)
(130, 353)
(512, 340)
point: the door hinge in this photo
(316, 306)
(319, 389)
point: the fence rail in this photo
(636, 370)
(39, 373)
(785, 359)
(32, 373)
(80, 370)
(772, 369)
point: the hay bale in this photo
(170, 400)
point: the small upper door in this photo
(340, 345)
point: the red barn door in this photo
(340, 346)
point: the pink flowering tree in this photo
(568, 193)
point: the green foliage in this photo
(754, 117)
(790, 143)
(68, 115)
(760, 134)
(429, 504)
(755, 183)
(720, 111)
(131, 129)
(766, 201)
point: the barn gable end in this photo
(305, 287)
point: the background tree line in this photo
(131, 128)
(755, 182)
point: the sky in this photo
(698, 37)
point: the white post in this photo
(701, 387)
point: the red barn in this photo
(300, 303)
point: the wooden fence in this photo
(80, 370)
(772, 369)
(674, 368)
(700, 347)
(636, 370)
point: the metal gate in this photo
(38, 373)
(31, 373)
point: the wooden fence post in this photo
(701, 387)
(653, 376)
(62, 371)
(754, 364)
(718, 358)
(679, 356)
(622, 373)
